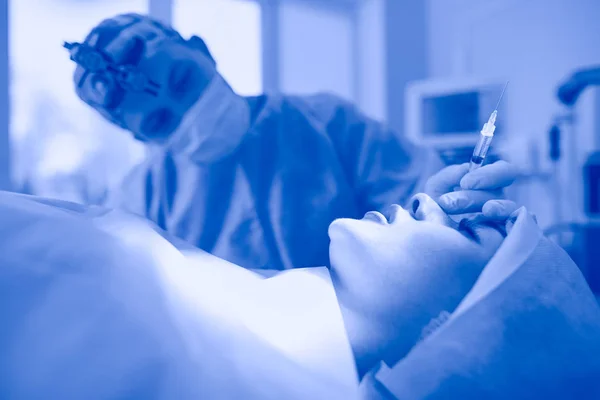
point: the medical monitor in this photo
(447, 115)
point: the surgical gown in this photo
(304, 162)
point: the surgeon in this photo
(255, 181)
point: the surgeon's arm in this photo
(383, 166)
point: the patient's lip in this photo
(375, 216)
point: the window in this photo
(232, 32)
(60, 147)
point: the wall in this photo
(406, 33)
(5, 158)
(365, 51)
(533, 43)
(371, 59)
(236, 51)
(316, 52)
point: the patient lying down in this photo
(101, 304)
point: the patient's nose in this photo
(424, 208)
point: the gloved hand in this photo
(503, 210)
(499, 209)
(474, 188)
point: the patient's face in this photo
(393, 273)
(422, 234)
(417, 250)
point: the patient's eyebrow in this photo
(480, 221)
(468, 227)
(471, 226)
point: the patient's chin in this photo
(339, 254)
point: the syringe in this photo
(483, 144)
(485, 138)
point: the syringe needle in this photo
(501, 95)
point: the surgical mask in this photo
(214, 126)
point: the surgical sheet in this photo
(98, 305)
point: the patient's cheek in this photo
(493, 243)
(449, 266)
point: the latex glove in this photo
(503, 210)
(499, 209)
(474, 188)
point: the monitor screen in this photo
(451, 114)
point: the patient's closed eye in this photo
(473, 226)
(469, 227)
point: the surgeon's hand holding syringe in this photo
(485, 138)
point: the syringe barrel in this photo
(482, 146)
